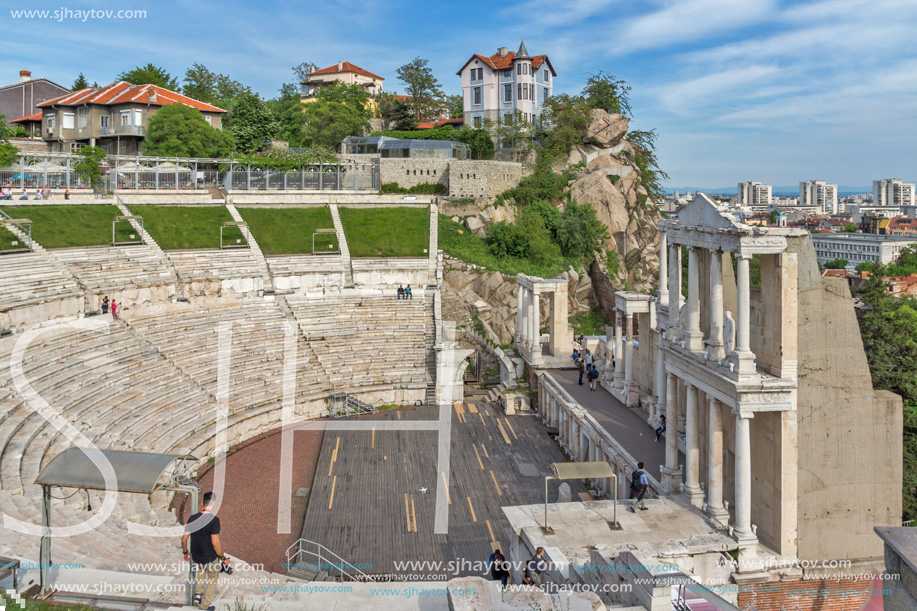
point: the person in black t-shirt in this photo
(203, 529)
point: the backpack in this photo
(635, 479)
(593, 373)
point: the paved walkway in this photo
(627, 427)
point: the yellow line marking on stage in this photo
(502, 432)
(492, 538)
(374, 439)
(473, 408)
(333, 484)
(414, 515)
(407, 512)
(496, 485)
(481, 414)
(471, 507)
(490, 437)
(399, 415)
(485, 451)
(511, 429)
(478, 456)
(446, 486)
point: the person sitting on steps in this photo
(400, 292)
(407, 293)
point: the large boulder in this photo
(606, 130)
(610, 205)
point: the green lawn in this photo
(183, 227)
(456, 241)
(387, 232)
(287, 231)
(72, 225)
(7, 238)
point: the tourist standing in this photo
(498, 568)
(105, 305)
(205, 551)
(114, 309)
(638, 486)
(581, 367)
(67, 194)
(593, 376)
(535, 567)
(661, 429)
(46, 192)
(588, 358)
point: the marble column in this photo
(674, 285)
(715, 342)
(672, 473)
(660, 385)
(694, 338)
(663, 269)
(691, 490)
(715, 508)
(742, 532)
(536, 328)
(628, 357)
(519, 319)
(609, 354)
(619, 350)
(745, 357)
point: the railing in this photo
(343, 405)
(314, 557)
(122, 130)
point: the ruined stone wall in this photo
(850, 436)
(411, 172)
(463, 178)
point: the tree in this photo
(482, 145)
(8, 154)
(422, 88)
(181, 131)
(302, 71)
(338, 111)
(80, 83)
(604, 91)
(5, 130)
(90, 164)
(206, 86)
(651, 175)
(837, 264)
(772, 217)
(514, 132)
(287, 109)
(149, 74)
(251, 123)
(456, 106)
(395, 112)
(580, 233)
(851, 228)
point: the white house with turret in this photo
(496, 86)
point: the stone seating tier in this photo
(214, 264)
(31, 278)
(115, 268)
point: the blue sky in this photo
(778, 91)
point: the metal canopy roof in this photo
(135, 471)
(581, 470)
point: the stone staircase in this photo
(148, 240)
(342, 243)
(256, 250)
(429, 338)
(433, 249)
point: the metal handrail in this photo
(340, 564)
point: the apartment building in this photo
(754, 194)
(892, 192)
(114, 117)
(858, 248)
(497, 86)
(344, 72)
(820, 194)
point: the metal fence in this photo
(58, 171)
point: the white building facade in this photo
(498, 86)
(859, 248)
(819, 193)
(892, 192)
(754, 194)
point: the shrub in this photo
(424, 188)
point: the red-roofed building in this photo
(453, 123)
(504, 83)
(345, 72)
(114, 117)
(31, 122)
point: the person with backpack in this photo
(498, 567)
(639, 484)
(593, 376)
(105, 305)
(581, 366)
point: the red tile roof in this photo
(440, 123)
(123, 93)
(345, 67)
(35, 117)
(505, 62)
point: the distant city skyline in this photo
(776, 91)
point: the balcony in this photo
(122, 130)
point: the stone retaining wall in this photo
(463, 178)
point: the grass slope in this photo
(386, 232)
(183, 227)
(72, 225)
(456, 241)
(288, 231)
(7, 238)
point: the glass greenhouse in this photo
(396, 148)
